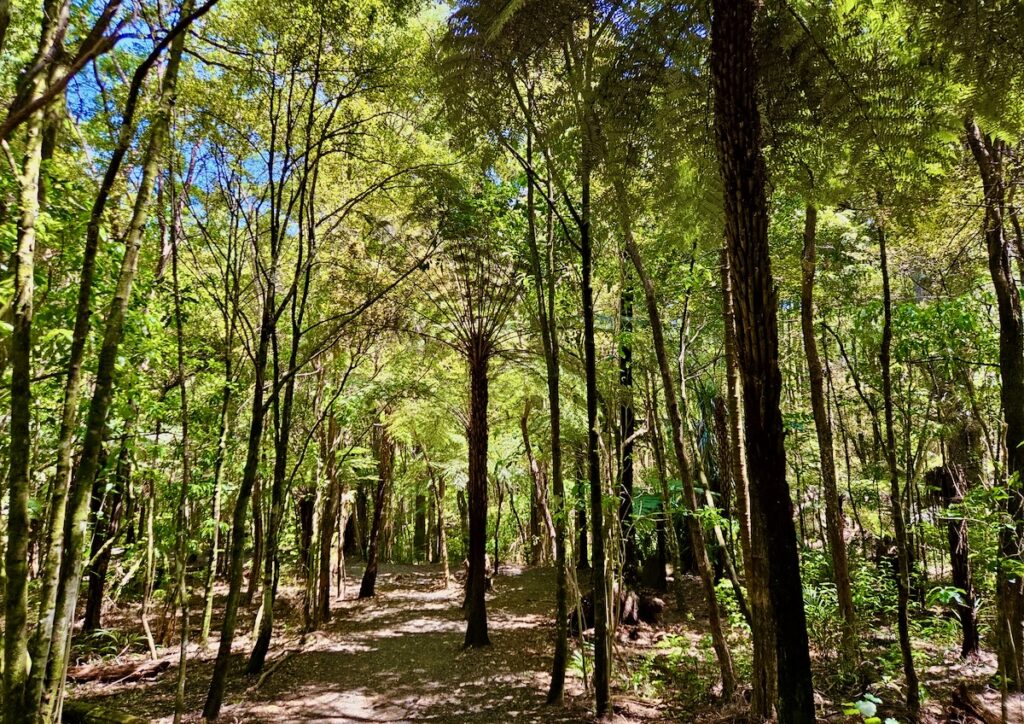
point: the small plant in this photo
(107, 643)
(867, 709)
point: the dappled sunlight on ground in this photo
(392, 658)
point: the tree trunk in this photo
(545, 294)
(667, 506)
(327, 520)
(218, 475)
(950, 483)
(898, 520)
(182, 518)
(76, 519)
(104, 532)
(257, 538)
(16, 657)
(734, 72)
(385, 448)
(476, 488)
(599, 572)
(627, 529)
(834, 522)
(215, 696)
(419, 538)
(442, 536)
(542, 527)
(1009, 582)
(697, 542)
(582, 558)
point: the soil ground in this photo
(398, 657)
(394, 658)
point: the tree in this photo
(737, 131)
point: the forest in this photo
(512, 361)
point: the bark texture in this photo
(734, 69)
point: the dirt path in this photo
(394, 658)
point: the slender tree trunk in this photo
(258, 518)
(898, 521)
(218, 484)
(327, 520)
(950, 483)
(667, 507)
(734, 71)
(545, 293)
(627, 529)
(104, 533)
(215, 695)
(834, 522)
(599, 572)
(476, 488)
(460, 500)
(419, 537)
(540, 517)
(697, 542)
(1009, 582)
(182, 518)
(438, 487)
(50, 572)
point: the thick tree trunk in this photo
(834, 523)
(1009, 582)
(476, 488)
(734, 72)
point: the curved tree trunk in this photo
(76, 519)
(215, 695)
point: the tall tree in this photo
(834, 521)
(734, 70)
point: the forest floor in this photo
(392, 658)
(397, 657)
